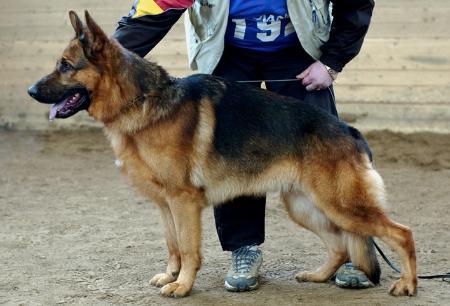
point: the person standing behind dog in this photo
(244, 40)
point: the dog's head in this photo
(72, 85)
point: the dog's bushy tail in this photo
(363, 255)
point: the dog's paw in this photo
(403, 287)
(162, 279)
(175, 289)
(309, 277)
(303, 277)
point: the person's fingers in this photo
(307, 80)
(304, 73)
(317, 85)
(311, 87)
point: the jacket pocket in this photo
(203, 19)
(320, 16)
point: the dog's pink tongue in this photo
(54, 109)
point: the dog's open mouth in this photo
(69, 106)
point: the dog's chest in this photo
(147, 163)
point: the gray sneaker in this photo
(243, 272)
(347, 276)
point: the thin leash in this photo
(268, 81)
(284, 80)
(444, 277)
(138, 100)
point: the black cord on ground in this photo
(396, 269)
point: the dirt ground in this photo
(73, 232)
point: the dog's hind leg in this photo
(306, 214)
(186, 207)
(351, 197)
(174, 262)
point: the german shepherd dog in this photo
(187, 143)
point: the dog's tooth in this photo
(77, 95)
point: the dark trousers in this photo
(240, 222)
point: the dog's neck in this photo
(143, 82)
(145, 76)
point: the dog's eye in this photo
(64, 66)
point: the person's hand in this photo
(315, 77)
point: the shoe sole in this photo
(350, 285)
(235, 289)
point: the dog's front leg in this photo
(186, 210)
(174, 262)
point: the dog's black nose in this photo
(33, 91)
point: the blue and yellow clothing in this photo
(261, 25)
(150, 20)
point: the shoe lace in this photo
(244, 258)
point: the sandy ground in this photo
(72, 231)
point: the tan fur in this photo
(169, 157)
(303, 211)
(347, 198)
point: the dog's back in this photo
(264, 126)
(200, 140)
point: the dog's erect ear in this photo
(76, 24)
(98, 37)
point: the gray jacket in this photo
(206, 23)
(333, 36)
